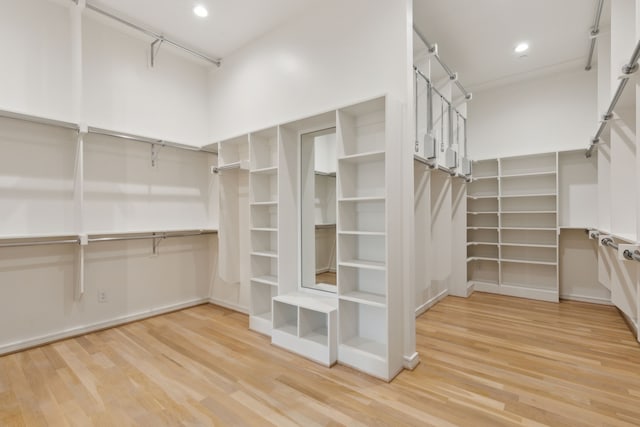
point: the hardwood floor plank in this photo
(488, 360)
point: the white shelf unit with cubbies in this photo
(263, 205)
(306, 324)
(367, 309)
(482, 224)
(521, 257)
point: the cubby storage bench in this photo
(306, 324)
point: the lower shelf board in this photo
(518, 290)
(287, 329)
(319, 337)
(365, 298)
(364, 345)
(266, 280)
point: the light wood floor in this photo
(486, 361)
(328, 278)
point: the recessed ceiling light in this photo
(522, 47)
(201, 11)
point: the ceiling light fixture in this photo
(201, 11)
(521, 47)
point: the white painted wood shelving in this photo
(512, 226)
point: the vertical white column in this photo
(76, 110)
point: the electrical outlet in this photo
(102, 296)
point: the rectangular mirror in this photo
(318, 210)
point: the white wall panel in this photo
(35, 41)
(122, 92)
(334, 55)
(552, 113)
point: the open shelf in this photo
(361, 129)
(264, 188)
(486, 271)
(261, 306)
(285, 318)
(363, 329)
(528, 165)
(482, 251)
(526, 237)
(367, 251)
(313, 326)
(362, 285)
(264, 150)
(264, 216)
(485, 168)
(272, 170)
(264, 266)
(536, 276)
(528, 220)
(529, 254)
(529, 185)
(528, 203)
(483, 188)
(361, 179)
(482, 236)
(233, 151)
(482, 220)
(482, 205)
(368, 215)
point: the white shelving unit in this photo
(363, 255)
(512, 233)
(263, 205)
(482, 224)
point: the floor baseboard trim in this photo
(230, 306)
(98, 326)
(633, 326)
(430, 303)
(410, 362)
(581, 298)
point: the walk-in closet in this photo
(319, 212)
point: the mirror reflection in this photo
(318, 210)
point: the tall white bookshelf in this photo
(365, 305)
(513, 227)
(263, 204)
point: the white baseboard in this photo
(430, 303)
(82, 330)
(410, 362)
(582, 298)
(230, 306)
(633, 325)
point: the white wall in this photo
(337, 53)
(35, 41)
(37, 286)
(122, 92)
(550, 113)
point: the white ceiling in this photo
(230, 25)
(477, 38)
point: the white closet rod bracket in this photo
(154, 50)
(628, 252)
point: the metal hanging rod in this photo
(38, 120)
(153, 34)
(146, 140)
(153, 236)
(40, 243)
(593, 34)
(452, 76)
(230, 166)
(34, 241)
(627, 253)
(627, 71)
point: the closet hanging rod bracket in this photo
(155, 151)
(629, 252)
(154, 50)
